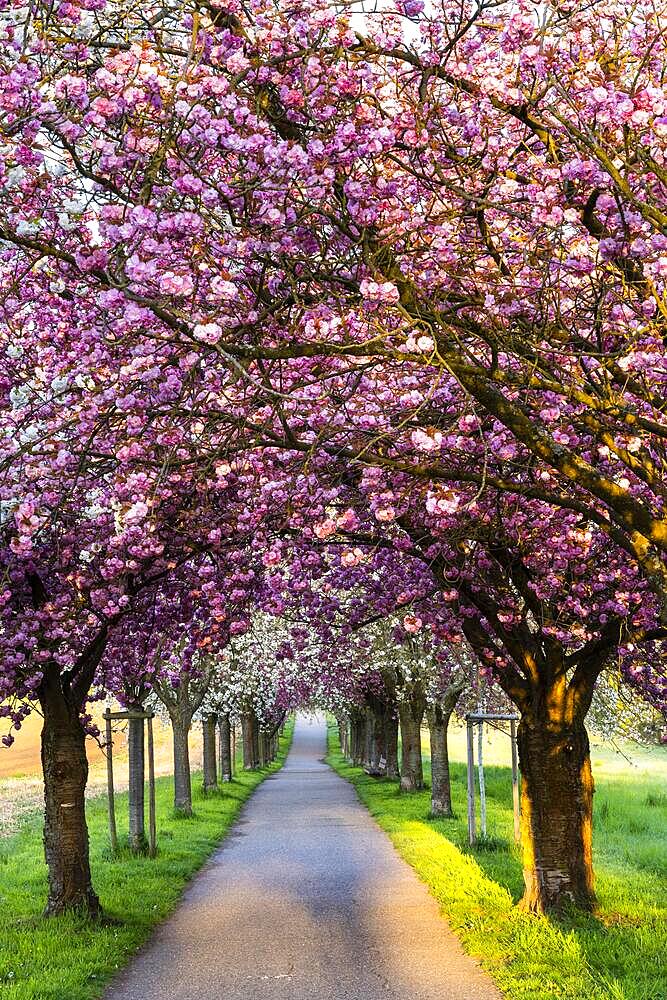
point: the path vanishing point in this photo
(306, 899)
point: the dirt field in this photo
(21, 789)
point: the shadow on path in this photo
(306, 898)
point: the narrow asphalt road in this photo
(306, 900)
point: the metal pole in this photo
(113, 835)
(515, 783)
(152, 833)
(482, 783)
(471, 784)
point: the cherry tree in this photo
(264, 265)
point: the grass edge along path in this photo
(69, 958)
(619, 955)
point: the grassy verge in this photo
(620, 954)
(68, 958)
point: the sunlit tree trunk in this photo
(557, 812)
(553, 693)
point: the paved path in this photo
(306, 900)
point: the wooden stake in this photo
(113, 835)
(152, 832)
(471, 784)
(515, 784)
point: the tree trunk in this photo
(556, 815)
(255, 740)
(391, 742)
(368, 738)
(411, 713)
(225, 749)
(135, 795)
(65, 768)
(209, 764)
(377, 762)
(441, 791)
(357, 736)
(343, 735)
(249, 738)
(182, 780)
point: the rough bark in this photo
(209, 762)
(269, 747)
(180, 726)
(181, 703)
(344, 735)
(556, 815)
(65, 769)
(357, 736)
(411, 713)
(256, 740)
(225, 749)
(377, 759)
(249, 739)
(391, 742)
(368, 738)
(441, 791)
(136, 784)
(439, 715)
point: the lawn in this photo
(620, 954)
(69, 958)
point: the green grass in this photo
(69, 958)
(620, 954)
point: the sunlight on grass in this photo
(620, 954)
